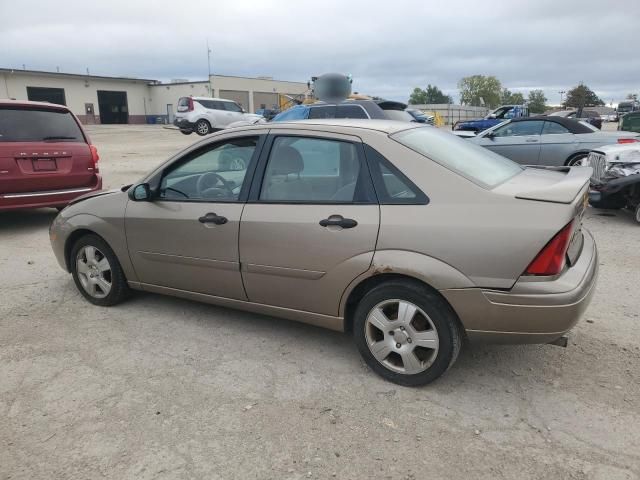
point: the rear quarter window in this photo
(31, 125)
(467, 159)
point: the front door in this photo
(517, 140)
(311, 224)
(187, 237)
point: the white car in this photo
(204, 115)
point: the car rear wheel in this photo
(578, 161)
(186, 132)
(406, 333)
(203, 127)
(97, 272)
(638, 213)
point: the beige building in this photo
(100, 99)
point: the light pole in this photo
(561, 92)
(209, 68)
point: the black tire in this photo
(637, 213)
(444, 319)
(576, 158)
(202, 128)
(119, 286)
(186, 132)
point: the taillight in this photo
(627, 140)
(94, 157)
(190, 105)
(551, 259)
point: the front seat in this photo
(283, 177)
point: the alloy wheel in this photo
(401, 336)
(94, 271)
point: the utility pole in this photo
(209, 68)
(561, 92)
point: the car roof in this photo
(212, 98)
(28, 103)
(385, 126)
(574, 126)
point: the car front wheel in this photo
(406, 333)
(203, 128)
(97, 272)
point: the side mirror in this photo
(140, 192)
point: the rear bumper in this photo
(49, 198)
(183, 124)
(532, 311)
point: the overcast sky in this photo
(389, 47)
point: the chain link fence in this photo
(453, 113)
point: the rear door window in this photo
(351, 111)
(31, 125)
(322, 111)
(553, 128)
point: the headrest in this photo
(287, 160)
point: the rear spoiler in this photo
(564, 191)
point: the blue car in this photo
(372, 109)
(499, 115)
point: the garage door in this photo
(238, 96)
(265, 100)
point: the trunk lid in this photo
(548, 184)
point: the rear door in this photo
(42, 149)
(556, 144)
(519, 141)
(311, 224)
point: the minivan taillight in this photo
(94, 157)
(552, 258)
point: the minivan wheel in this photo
(406, 333)
(203, 127)
(97, 272)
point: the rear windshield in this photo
(400, 115)
(472, 161)
(30, 125)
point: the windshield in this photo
(30, 125)
(472, 161)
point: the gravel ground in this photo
(162, 388)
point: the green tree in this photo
(432, 94)
(509, 98)
(478, 90)
(632, 96)
(418, 97)
(537, 101)
(582, 96)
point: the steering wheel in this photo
(212, 185)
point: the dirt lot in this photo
(161, 388)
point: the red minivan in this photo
(46, 157)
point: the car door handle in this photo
(532, 140)
(213, 218)
(338, 221)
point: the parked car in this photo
(589, 116)
(204, 115)
(46, 157)
(419, 116)
(403, 235)
(499, 115)
(627, 107)
(372, 109)
(615, 182)
(548, 140)
(268, 113)
(630, 122)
